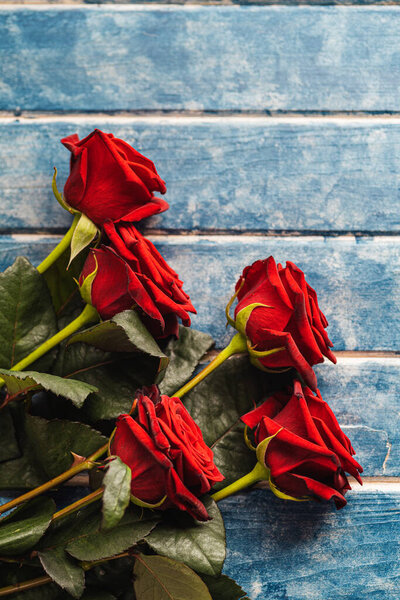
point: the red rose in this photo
(111, 180)
(278, 309)
(309, 454)
(131, 273)
(166, 453)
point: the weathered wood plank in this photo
(364, 394)
(283, 550)
(358, 280)
(230, 173)
(254, 58)
(280, 550)
(212, 2)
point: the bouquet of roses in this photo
(102, 388)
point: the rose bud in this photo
(111, 180)
(128, 272)
(171, 465)
(307, 453)
(278, 313)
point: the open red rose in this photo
(111, 180)
(309, 455)
(278, 309)
(166, 453)
(131, 273)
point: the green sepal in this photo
(144, 504)
(262, 447)
(59, 197)
(84, 234)
(243, 316)
(260, 453)
(86, 288)
(284, 496)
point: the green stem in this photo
(81, 503)
(25, 585)
(259, 473)
(59, 249)
(88, 315)
(237, 345)
(33, 583)
(85, 465)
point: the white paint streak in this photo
(389, 449)
(256, 589)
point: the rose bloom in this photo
(111, 180)
(309, 455)
(166, 453)
(131, 273)
(278, 309)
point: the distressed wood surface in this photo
(244, 58)
(358, 280)
(364, 395)
(215, 2)
(223, 173)
(280, 550)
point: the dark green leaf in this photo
(113, 576)
(53, 441)
(123, 333)
(97, 595)
(160, 578)
(11, 574)
(64, 571)
(60, 281)
(20, 381)
(200, 546)
(27, 317)
(117, 493)
(23, 528)
(9, 448)
(21, 473)
(184, 355)
(218, 402)
(116, 376)
(134, 526)
(71, 527)
(25, 471)
(224, 588)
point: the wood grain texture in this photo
(216, 2)
(280, 550)
(358, 280)
(364, 395)
(245, 58)
(229, 173)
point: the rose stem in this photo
(86, 465)
(81, 503)
(33, 583)
(88, 315)
(237, 345)
(259, 473)
(59, 249)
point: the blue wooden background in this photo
(277, 131)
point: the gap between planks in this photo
(135, 6)
(224, 2)
(185, 116)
